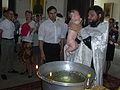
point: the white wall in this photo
(21, 7)
(5, 3)
(116, 7)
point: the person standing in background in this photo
(117, 30)
(4, 16)
(17, 26)
(35, 48)
(27, 31)
(7, 45)
(51, 37)
(1, 19)
(112, 39)
(60, 18)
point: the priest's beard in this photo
(94, 23)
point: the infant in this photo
(74, 27)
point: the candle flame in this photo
(36, 66)
(50, 74)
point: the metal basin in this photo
(69, 66)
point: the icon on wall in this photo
(38, 6)
(108, 9)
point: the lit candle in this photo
(36, 67)
(50, 74)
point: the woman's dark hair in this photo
(112, 19)
(50, 8)
(28, 11)
(98, 11)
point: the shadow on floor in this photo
(17, 80)
(111, 82)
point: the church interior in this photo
(20, 81)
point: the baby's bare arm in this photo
(71, 41)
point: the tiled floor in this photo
(111, 82)
(115, 65)
(17, 80)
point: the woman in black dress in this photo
(111, 43)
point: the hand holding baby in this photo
(74, 28)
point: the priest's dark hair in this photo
(98, 11)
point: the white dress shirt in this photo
(8, 28)
(51, 32)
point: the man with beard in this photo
(92, 48)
